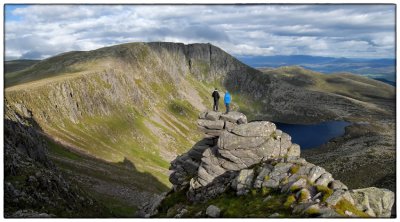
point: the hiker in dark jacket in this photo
(215, 95)
(227, 100)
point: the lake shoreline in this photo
(305, 134)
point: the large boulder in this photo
(255, 129)
(234, 117)
(239, 146)
(374, 201)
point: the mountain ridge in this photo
(140, 101)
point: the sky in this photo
(354, 31)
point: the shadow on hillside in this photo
(120, 173)
(119, 187)
(33, 185)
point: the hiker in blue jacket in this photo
(227, 100)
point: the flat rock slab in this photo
(211, 115)
(254, 129)
(234, 117)
(229, 140)
(209, 124)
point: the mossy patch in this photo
(312, 211)
(326, 192)
(289, 200)
(344, 205)
(304, 195)
(294, 169)
(265, 191)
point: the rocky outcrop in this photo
(374, 201)
(256, 156)
(233, 144)
(33, 186)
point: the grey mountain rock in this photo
(255, 129)
(212, 115)
(338, 195)
(374, 201)
(234, 117)
(337, 185)
(209, 124)
(213, 211)
(243, 182)
(256, 155)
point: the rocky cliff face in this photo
(34, 187)
(259, 160)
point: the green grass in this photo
(118, 208)
(18, 65)
(115, 137)
(204, 90)
(58, 150)
(246, 105)
(232, 206)
(109, 173)
(182, 109)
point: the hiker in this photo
(215, 95)
(227, 100)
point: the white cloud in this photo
(329, 30)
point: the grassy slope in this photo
(112, 114)
(252, 205)
(104, 180)
(345, 84)
(18, 65)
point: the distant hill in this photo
(373, 68)
(17, 65)
(386, 81)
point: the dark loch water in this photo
(311, 136)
